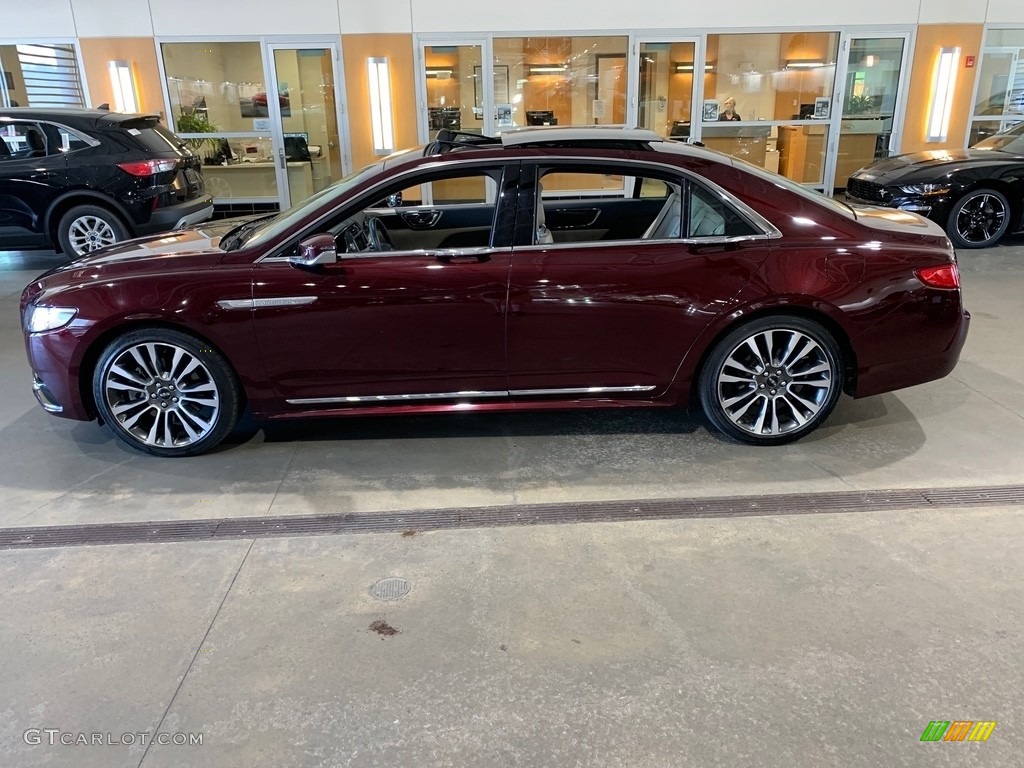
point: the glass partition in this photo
(768, 100)
(999, 103)
(666, 83)
(454, 88)
(560, 80)
(218, 100)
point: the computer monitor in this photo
(540, 117)
(806, 112)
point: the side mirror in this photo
(314, 251)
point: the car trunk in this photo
(182, 183)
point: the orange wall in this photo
(399, 52)
(139, 52)
(930, 39)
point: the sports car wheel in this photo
(979, 219)
(165, 392)
(772, 381)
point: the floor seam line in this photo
(989, 398)
(199, 648)
(284, 475)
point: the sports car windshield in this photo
(1011, 141)
(271, 227)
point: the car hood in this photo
(183, 250)
(931, 164)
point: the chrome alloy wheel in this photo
(87, 233)
(980, 218)
(162, 395)
(774, 382)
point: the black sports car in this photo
(977, 194)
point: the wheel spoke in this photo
(752, 343)
(798, 417)
(819, 368)
(759, 426)
(130, 422)
(135, 353)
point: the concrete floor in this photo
(826, 640)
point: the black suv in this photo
(78, 179)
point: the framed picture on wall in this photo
(500, 86)
(710, 111)
(821, 107)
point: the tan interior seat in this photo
(543, 235)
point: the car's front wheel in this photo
(772, 380)
(85, 228)
(978, 219)
(165, 392)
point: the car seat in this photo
(543, 235)
(36, 143)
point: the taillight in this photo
(148, 167)
(945, 276)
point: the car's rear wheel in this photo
(85, 228)
(979, 219)
(165, 392)
(772, 380)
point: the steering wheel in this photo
(378, 235)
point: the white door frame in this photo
(274, 107)
(847, 35)
(633, 83)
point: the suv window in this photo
(71, 141)
(24, 140)
(151, 134)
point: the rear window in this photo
(151, 134)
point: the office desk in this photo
(241, 180)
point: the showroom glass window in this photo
(40, 75)
(560, 80)
(768, 100)
(999, 103)
(218, 100)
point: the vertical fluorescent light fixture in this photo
(380, 106)
(943, 85)
(123, 82)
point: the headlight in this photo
(926, 189)
(38, 319)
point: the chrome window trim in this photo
(634, 242)
(769, 230)
(470, 394)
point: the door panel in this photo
(425, 227)
(619, 219)
(384, 325)
(27, 184)
(617, 315)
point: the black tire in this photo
(165, 392)
(978, 219)
(85, 228)
(798, 385)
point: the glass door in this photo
(667, 86)
(309, 139)
(872, 82)
(457, 89)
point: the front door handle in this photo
(449, 255)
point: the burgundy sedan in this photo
(548, 268)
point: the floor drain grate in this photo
(390, 589)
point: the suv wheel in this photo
(85, 228)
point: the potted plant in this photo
(194, 121)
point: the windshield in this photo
(272, 227)
(1011, 141)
